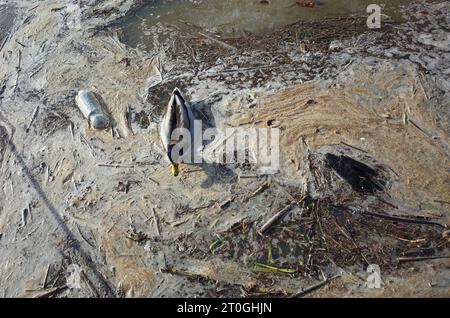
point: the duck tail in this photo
(177, 92)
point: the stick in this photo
(33, 8)
(84, 141)
(44, 283)
(230, 47)
(138, 16)
(50, 292)
(71, 130)
(21, 44)
(440, 201)
(260, 189)
(251, 176)
(3, 43)
(193, 170)
(33, 117)
(225, 203)
(19, 60)
(89, 283)
(84, 238)
(156, 222)
(423, 88)
(346, 144)
(277, 217)
(420, 129)
(118, 44)
(314, 287)
(154, 181)
(29, 211)
(190, 24)
(420, 258)
(398, 219)
(108, 165)
(23, 221)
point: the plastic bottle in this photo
(92, 110)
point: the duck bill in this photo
(175, 169)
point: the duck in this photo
(178, 115)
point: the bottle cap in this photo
(99, 121)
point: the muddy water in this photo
(234, 17)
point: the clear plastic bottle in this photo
(92, 110)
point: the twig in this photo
(260, 189)
(314, 287)
(420, 129)
(71, 130)
(416, 241)
(44, 283)
(421, 258)
(23, 221)
(21, 44)
(118, 44)
(278, 216)
(175, 224)
(422, 217)
(84, 141)
(230, 47)
(111, 165)
(50, 292)
(138, 16)
(57, 9)
(33, 8)
(156, 222)
(31, 232)
(4, 42)
(347, 65)
(398, 219)
(89, 283)
(192, 170)
(423, 88)
(348, 145)
(84, 238)
(226, 203)
(190, 24)
(154, 181)
(19, 60)
(272, 269)
(441, 201)
(33, 117)
(249, 176)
